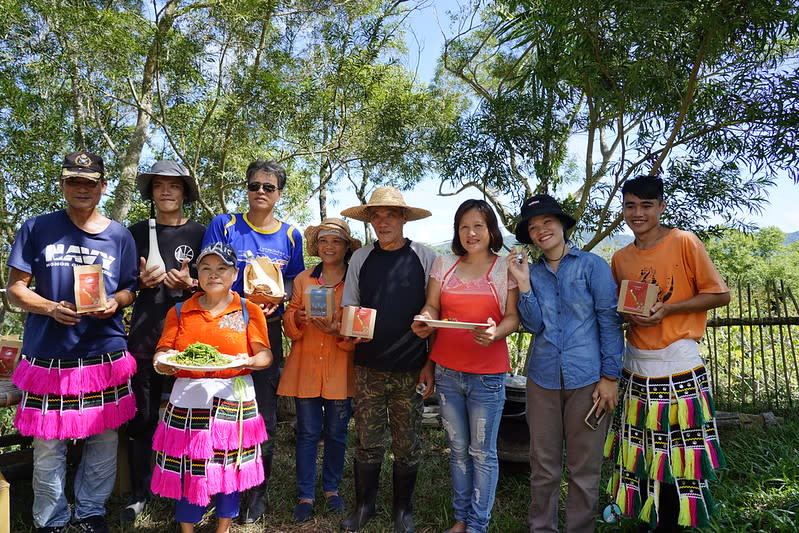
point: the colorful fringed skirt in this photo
(208, 440)
(664, 432)
(74, 398)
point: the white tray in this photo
(235, 362)
(450, 323)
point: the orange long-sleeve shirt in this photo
(319, 364)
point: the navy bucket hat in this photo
(540, 204)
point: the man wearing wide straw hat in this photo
(389, 275)
(168, 186)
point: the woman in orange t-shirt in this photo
(208, 442)
(319, 371)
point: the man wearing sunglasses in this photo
(75, 371)
(260, 232)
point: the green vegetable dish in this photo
(199, 354)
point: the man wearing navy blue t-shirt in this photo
(75, 371)
(389, 275)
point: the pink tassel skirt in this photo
(208, 440)
(74, 398)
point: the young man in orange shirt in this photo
(664, 440)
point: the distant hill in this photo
(604, 249)
(611, 244)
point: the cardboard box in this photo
(320, 301)
(358, 322)
(89, 288)
(10, 349)
(262, 291)
(637, 297)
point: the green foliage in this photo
(704, 93)
(755, 258)
(215, 85)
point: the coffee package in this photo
(320, 302)
(89, 288)
(637, 297)
(10, 348)
(358, 322)
(263, 282)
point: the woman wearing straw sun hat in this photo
(389, 275)
(319, 372)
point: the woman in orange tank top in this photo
(470, 363)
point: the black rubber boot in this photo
(139, 459)
(367, 479)
(257, 499)
(402, 510)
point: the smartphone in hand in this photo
(591, 419)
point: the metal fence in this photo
(750, 348)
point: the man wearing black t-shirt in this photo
(168, 185)
(390, 276)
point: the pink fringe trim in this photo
(714, 457)
(74, 424)
(200, 445)
(225, 435)
(251, 474)
(73, 381)
(166, 484)
(230, 479)
(171, 441)
(196, 490)
(158, 437)
(213, 473)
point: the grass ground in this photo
(759, 493)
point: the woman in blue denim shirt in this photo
(567, 299)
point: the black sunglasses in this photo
(254, 186)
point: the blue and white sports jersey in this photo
(282, 245)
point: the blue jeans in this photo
(94, 479)
(471, 410)
(318, 417)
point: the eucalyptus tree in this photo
(315, 84)
(703, 93)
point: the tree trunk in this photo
(129, 166)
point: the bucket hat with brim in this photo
(168, 168)
(540, 204)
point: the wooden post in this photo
(5, 506)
